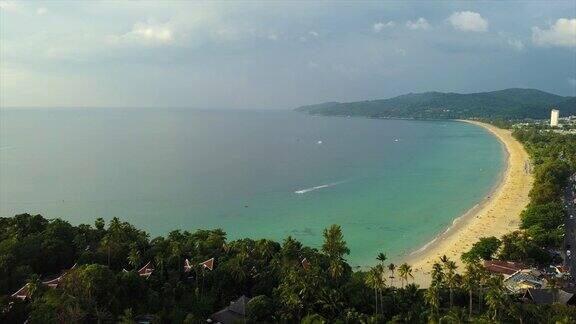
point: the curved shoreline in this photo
(497, 214)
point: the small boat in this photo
(319, 142)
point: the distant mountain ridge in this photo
(511, 103)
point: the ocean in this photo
(391, 184)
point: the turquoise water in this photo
(391, 184)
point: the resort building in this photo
(51, 282)
(235, 313)
(506, 268)
(146, 270)
(549, 296)
(554, 115)
(522, 280)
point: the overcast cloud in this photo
(277, 55)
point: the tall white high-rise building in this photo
(554, 114)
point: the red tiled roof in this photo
(562, 269)
(22, 293)
(146, 270)
(305, 264)
(208, 264)
(503, 267)
(187, 265)
(53, 283)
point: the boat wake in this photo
(307, 190)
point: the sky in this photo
(277, 55)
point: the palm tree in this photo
(265, 249)
(471, 280)
(72, 313)
(483, 277)
(335, 248)
(176, 252)
(433, 299)
(381, 283)
(437, 274)
(336, 269)
(455, 316)
(134, 257)
(34, 285)
(159, 260)
(381, 257)
(236, 268)
(107, 244)
(392, 267)
(382, 279)
(371, 281)
(332, 301)
(114, 226)
(409, 295)
(444, 258)
(450, 278)
(496, 297)
(405, 272)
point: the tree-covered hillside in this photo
(567, 105)
(502, 104)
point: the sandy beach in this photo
(498, 214)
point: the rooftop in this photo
(522, 280)
(549, 296)
(503, 267)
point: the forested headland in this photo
(503, 104)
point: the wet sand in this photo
(496, 215)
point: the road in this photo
(570, 237)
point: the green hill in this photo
(502, 104)
(567, 106)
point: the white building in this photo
(554, 115)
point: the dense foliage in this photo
(282, 289)
(496, 105)
(554, 159)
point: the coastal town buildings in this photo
(560, 125)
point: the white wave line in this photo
(303, 191)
